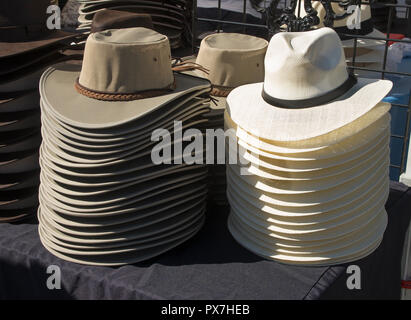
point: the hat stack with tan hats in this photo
(313, 142)
(169, 17)
(228, 60)
(369, 52)
(105, 196)
(27, 47)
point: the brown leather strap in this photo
(105, 96)
(220, 91)
(189, 66)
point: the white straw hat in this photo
(307, 91)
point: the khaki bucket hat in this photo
(228, 60)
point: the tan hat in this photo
(109, 92)
(307, 91)
(229, 60)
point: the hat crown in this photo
(23, 12)
(304, 65)
(125, 61)
(232, 59)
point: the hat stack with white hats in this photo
(311, 180)
(369, 53)
(27, 47)
(228, 60)
(119, 182)
(169, 17)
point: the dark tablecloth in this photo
(210, 266)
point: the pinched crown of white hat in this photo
(307, 90)
(303, 67)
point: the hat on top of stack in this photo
(168, 18)
(104, 199)
(228, 60)
(316, 142)
(27, 47)
(114, 19)
(369, 52)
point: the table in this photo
(210, 266)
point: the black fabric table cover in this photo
(211, 266)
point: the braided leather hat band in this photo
(107, 96)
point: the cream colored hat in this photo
(307, 91)
(229, 60)
(126, 74)
(341, 25)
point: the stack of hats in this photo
(313, 143)
(369, 53)
(169, 17)
(111, 192)
(27, 47)
(228, 60)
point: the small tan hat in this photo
(232, 59)
(229, 60)
(307, 91)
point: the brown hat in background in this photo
(115, 19)
(23, 27)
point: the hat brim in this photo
(309, 247)
(126, 134)
(10, 49)
(136, 202)
(375, 56)
(155, 215)
(379, 196)
(217, 104)
(137, 232)
(247, 108)
(341, 256)
(178, 202)
(336, 228)
(358, 141)
(363, 42)
(340, 198)
(140, 8)
(57, 90)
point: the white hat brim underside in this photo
(249, 110)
